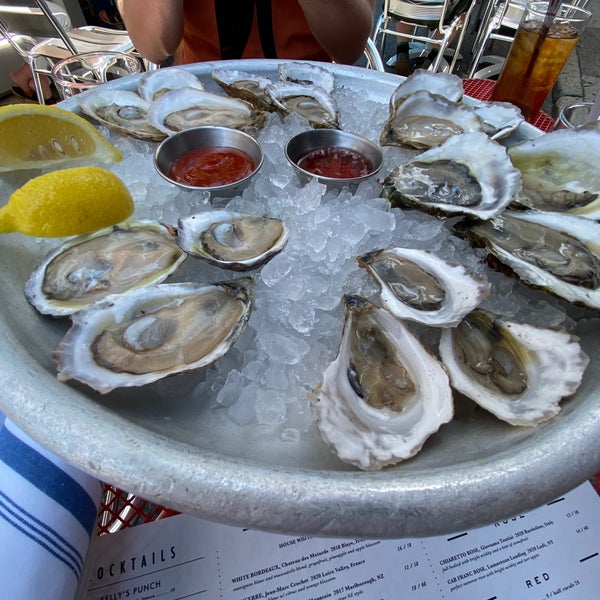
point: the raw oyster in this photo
(468, 174)
(499, 118)
(517, 372)
(246, 86)
(423, 120)
(441, 84)
(232, 240)
(558, 253)
(560, 171)
(153, 84)
(187, 107)
(134, 339)
(122, 111)
(422, 287)
(307, 74)
(110, 261)
(384, 394)
(310, 102)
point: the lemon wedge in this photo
(37, 136)
(67, 202)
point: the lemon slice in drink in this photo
(67, 202)
(36, 136)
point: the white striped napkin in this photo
(48, 511)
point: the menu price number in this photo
(563, 588)
(582, 529)
(411, 565)
(404, 547)
(572, 513)
(415, 587)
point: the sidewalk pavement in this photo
(579, 80)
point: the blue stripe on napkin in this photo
(48, 478)
(41, 533)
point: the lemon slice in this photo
(36, 136)
(67, 202)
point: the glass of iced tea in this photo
(542, 45)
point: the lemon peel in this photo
(67, 202)
(37, 136)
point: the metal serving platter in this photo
(475, 470)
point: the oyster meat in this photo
(120, 110)
(558, 253)
(441, 84)
(422, 287)
(307, 74)
(153, 84)
(311, 102)
(518, 372)
(423, 120)
(384, 394)
(188, 107)
(136, 338)
(467, 174)
(114, 260)
(560, 171)
(246, 86)
(232, 240)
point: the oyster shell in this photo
(422, 287)
(307, 74)
(187, 107)
(558, 253)
(467, 174)
(560, 171)
(153, 84)
(232, 240)
(310, 102)
(423, 120)
(441, 84)
(136, 338)
(499, 118)
(246, 86)
(122, 111)
(114, 260)
(384, 394)
(516, 371)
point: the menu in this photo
(550, 552)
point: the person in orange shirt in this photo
(198, 30)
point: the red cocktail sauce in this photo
(337, 163)
(207, 167)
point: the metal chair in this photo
(499, 22)
(35, 32)
(435, 24)
(372, 56)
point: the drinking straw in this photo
(553, 6)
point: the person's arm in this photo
(154, 26)
(340, 26)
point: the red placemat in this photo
(481, 89)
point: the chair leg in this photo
(37, 82)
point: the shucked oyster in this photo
(187, 107)
(307, 74)
(232, 240)
(153, 84)
(136, 338)
(560, 171)
(441, 84)
(423, 120)
(384, 394)
(309, 101)
(558, 253)
(122, 111)
(420, 286)
(468, 174)
(246, 86)
(517, 372)
(114, 260)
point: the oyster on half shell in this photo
(557, 253)
(188, 107)
(232, 240)
(153, 84)
(307, 74)
(467, 174)
(560, 171)
(384, 394)
(422, 287)
(518, 372)
(246, 86)
(122, 111)
(134, 339)
(114, 260)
